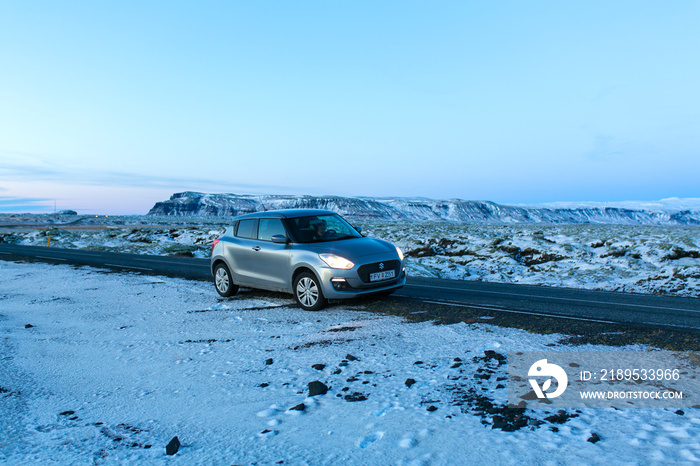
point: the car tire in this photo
(308, 293)
(222, 281)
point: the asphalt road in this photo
(567, 304)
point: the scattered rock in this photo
(67, 413)
(28, 326)
(337, 371)
(350, 357)
(264, 384)
(490, 354)
(172, 447)
(418, 362)
(299, 407)
(409, 382)
(268, 361)
(319, 367)
(560, 418)
(594, 438)
(680, 412)
(355, 396)
(432, 408)
(317, 388)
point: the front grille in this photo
(364, 270)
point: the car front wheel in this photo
(222, 281)
(307, 292)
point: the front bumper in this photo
(341, 284)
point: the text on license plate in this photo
(373, 277)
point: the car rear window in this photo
(246, 229)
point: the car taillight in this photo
(214, 243)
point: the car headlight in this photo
(400, 253)
(336, 262)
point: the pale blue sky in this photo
(111, 106)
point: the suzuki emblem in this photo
(381, 266)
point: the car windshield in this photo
(321, 228)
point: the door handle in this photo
(256, 248)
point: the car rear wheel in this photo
(308, 293)
(222, 281)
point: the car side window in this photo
(269, 227)
(246, 228)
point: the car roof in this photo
(286, 213)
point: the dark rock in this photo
(455, 365)
(28, 326)
(319, 367)
(353, 379)
(409, 382)
(498, 423)
(432, 408)
(499, 386)
(418, 362)
(356, 396)
(490, 354)
(264, 384)
(317, 388)
(594, 438)
(299, 407)
(560, 418)
(337, 371)
(680, 412)
(268, 361)
(172, 447)
(350, 357)
(67, 413)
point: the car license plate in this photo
(374, 277)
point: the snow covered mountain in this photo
(454, 210)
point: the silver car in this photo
(314, 254)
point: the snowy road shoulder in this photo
(106, 368)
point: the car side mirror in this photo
(359, 229)
(279, 239)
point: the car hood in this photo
(353, 248)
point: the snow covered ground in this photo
(641, 259)
(106, 368)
